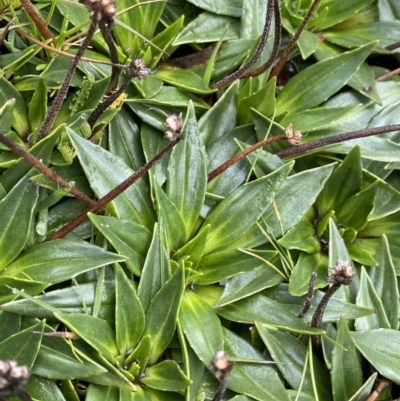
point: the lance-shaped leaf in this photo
(196, 317)
(43, 389)
(96, 392)
(8, 284)
(162, 314)
(187, 173)
(379, 348)
(166, 376)
(93, 330)
(232, 217)
(129, 315)
(105, 171)
(16, 212)
(251, 378)
(60, 260)
(317, 83)
(290, 352)
(23, 346)
(346, 370)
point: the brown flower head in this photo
(106, 8)
(342, 273)
(293, 137)
(220, 364)
(174, 124)
(13, 378)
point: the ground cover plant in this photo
(199, 200)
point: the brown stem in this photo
(300, 149)
(37, 164)
(62, 93)
(102, 202)
(62, 53)
(282, 60)
(277, 44)
(105, 31)
(239, 156)
(253, 59)
(310, 296)
(388, 75)
(38, 21)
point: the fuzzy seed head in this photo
(174, 124)
(106, 8)
(138, 69)
(293, 137)
(220, 364)
(342, 273)
(13, 377)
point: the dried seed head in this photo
(342, 273)
(106, 8)
(220, 364)
(137, 68)
(294, 137)
(13, 378)
(174, 124)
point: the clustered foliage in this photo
(159, 231)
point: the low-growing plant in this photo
(199, 200)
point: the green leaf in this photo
(302, 237)
(365, 390)
(59, 260)
(355, 211)
(344, 182)
(327, 77)
(346, 370)
(8, 284)
(23, 346)
(187, 173)
(209, 27)
(224, 7)
(6, 113)
(166, 376)
(250, 378)
(196, 317)
(10, 323)
(129, 315)
(20, 120)
(43, 389)
(93, 330)
(38, 106)
(96, 392)
(291, 353)
(383, 278)
(140, 354)
(378, 347)
(120, 234)
(368, 297)
(162, 314)
(263, 309)
(105, 171)
(239, 211)
(58, 359)
(16, 214)
(156, 270)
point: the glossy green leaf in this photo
(16, 214)
(140, 395)
(383, 278)
(327, 77)
(224, 7)
(196, 317)
(43, 389)
(209, 27)
(128, 238)
(368, 297)
(249, 378)
(346, 370)
(57, 359)
(106, 393)
(60, 260)
(239, 211)
(366, 389)
(291, 353)
(166, 376)
(10, 323)
(378, 347)
(20, 120)
(162, 314)
(93, 330)
(344, 182)
(8, 284)
(187, 173)
(156, 270)
(105, 171)
(263, 309)
(301, 237)
(6, 113)
(23, 346)
(38, 106)
(140, 354)
(129, 315)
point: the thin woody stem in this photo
(62, 93)
(102, 202)
(253, 59)
(38, 21)
(241, 155)
(282, 60)
(310, 296)
(37, 164)
(300, 149)
(277, 44)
